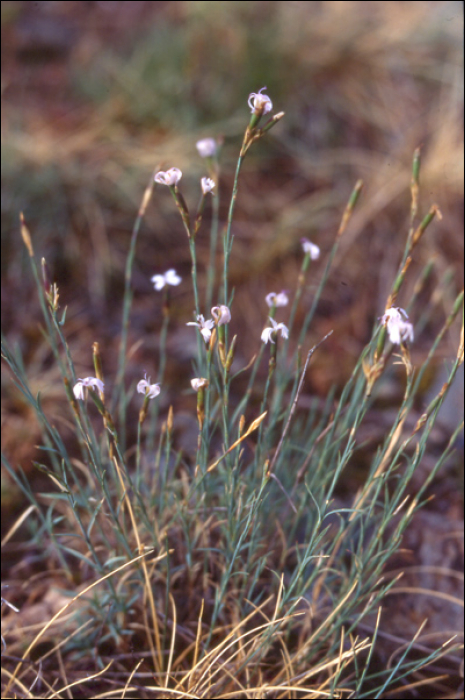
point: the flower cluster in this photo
(395, 319)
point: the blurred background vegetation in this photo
(98, 94)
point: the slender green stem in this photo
(213, 247)
(297, 296)
(225, 405)
(228, 238)
(194, 275)
(119, 394)
(138, 470)
(154, 408)
(202, 448)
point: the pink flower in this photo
(221, 314)
(207, 184)
(269, 333)
(206, 147)
(170, 177)
(259, 103)
(203, 326)
(398, 328)
(150, 390)
(80, 389)
(273, 299)
(310, 248)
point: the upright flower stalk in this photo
(273, 300)
(200, 384)
(260, 105)
(163, 282)
(270, 335)
(150, 391)
(346, 216)
(119, 395)
(207, 186)
(222, 316)
(171, 178)
(311, 252)
(209, 149)
(414, 237)
(107, 419)
(96, 385)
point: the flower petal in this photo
(206, 333)
(267, 334)
(158, 282)
(171, 277)
(78, 391)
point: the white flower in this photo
(150, 390)
(273, 299)
(268, 333)
(206, 147)
(311, 248)
(171, 177)
(221, 314)
(199, 383)
(259, 103)
(398, 328)
(79, 389)
(207, 184)
(395, 313)
(169, 277)
(203, 326)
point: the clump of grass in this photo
(233, 571)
